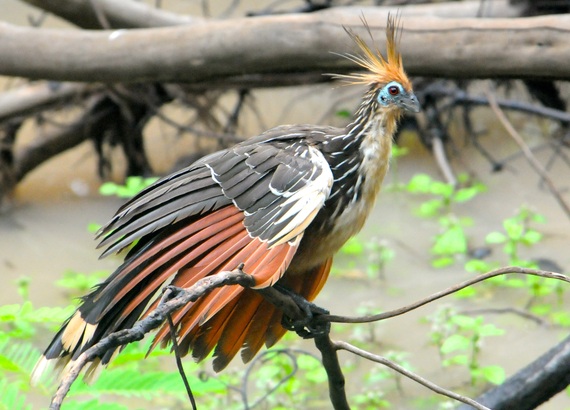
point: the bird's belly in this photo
(320, 244)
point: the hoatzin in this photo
(281, 204)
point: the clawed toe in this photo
(308, 327)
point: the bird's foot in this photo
(308, 327)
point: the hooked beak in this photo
(409, 102)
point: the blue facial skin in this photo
(394, 94)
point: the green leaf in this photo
(561, 318)
(465, 194)
(450, 242)
(455, 342)
(495, 237)
(108, 188)
(93, 227)
(477, 266)
(441, 188)
(514, 228)
(541, 309)
(514, 283)
(494, 374)
(490, 330)
(353, 247)
(429, 208)
(538, 218)
(442, 262)
(460, 359)
(419, 184)
(466, 293)
(398, 151)
(510, 249)
(11, 397)
(343, 113)
(531, 237)
(466, 322)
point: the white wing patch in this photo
(305, 203)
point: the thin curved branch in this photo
(460, 96)
(528, 153)
(445, 292)
(156, 318)
(411, 375)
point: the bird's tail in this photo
(225, 320)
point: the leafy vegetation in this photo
(284, 378)
(459, 339)
(451, 240)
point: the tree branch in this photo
(119, 14)
(445, 292)
(32, 98)
(132, 14)
(411, 375)
(534, 384)
(180, 297)
(329, 355)
(535, 47)
(528, 153)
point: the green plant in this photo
(451, 241)
(78, 283)
(132, 186)
(373, 254)
(518, 233)
(459, 339)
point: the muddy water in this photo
(43, 233)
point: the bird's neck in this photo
(359, 160)
(373, 128)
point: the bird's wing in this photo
(279, 189)
(279, 185)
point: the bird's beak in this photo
(409, 102)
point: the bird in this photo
(279, 205)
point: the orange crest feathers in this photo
(380, 70)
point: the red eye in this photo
(393, 90)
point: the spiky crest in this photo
(380, 70)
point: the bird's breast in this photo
(351, 201)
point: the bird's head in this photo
(390, 86)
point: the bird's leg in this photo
(307, 327)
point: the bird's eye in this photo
(393, 90)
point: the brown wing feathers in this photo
(247, 205)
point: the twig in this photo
(442, 161)
(328, 350)
(411, 375)
(514, 311)
(527, 152)
(294, 369)
(460, 96)
(448, 291)
(167, 295)
(144, 326)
